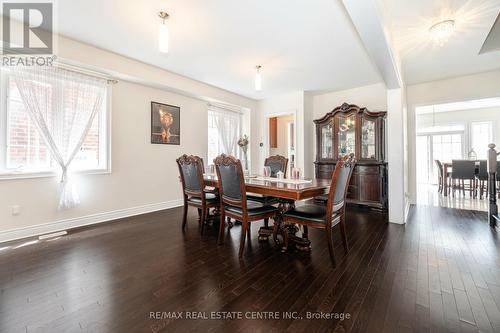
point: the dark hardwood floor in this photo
(440, 272)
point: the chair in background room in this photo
(463, 170)
(439, 166)
(482, 178)
(233, 200)
(193, 188)
(326, 217)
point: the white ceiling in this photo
(423, 61)
(302, 45)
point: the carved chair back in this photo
(341, 177)
(231, 181)
(276, 163)
(191, 172)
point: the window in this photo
(481, 137)
(447, 147)
(23, 150)
(444, 143)
(224, 130)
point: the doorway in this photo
(461, 132)
(280, 137)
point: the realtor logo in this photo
(27, 28)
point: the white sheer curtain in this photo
(228, 124)
(63, 105)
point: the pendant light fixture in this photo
(163, 33)
(258, 78)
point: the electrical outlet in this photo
(16, 210)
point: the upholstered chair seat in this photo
(253, 208)
(312, 213)
(209, 197)
(263, 199)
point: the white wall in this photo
(372, 97)
(144, 176)
(470, 87)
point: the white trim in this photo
(76, 222)
(51, 174)
(105, 128)
(225, 107)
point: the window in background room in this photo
(444, 143)
(481, 136)
(23, 150)
(447, 147)
(224, 130)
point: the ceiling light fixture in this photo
(441, 31)
(258, 78)
(163, 33)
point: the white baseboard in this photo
(71, 223)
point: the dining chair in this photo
(482, 178)
(193, 189)
(439, 167)
(233, 199)
(276, 163)
(326, 217)
(463, 170)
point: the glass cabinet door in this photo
(326, 141)
(346, 135)
(368, 139)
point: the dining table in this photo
(288, 191)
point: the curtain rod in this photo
(85, 71)
(227, 107)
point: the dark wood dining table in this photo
(279, 189)
(288, 192)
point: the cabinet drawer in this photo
(367, 169)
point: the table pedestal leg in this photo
(286, 231)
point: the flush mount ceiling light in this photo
(440, 32)
(258, 78)
(163, 33)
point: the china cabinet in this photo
(349, 129)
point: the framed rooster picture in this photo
(165, 124)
